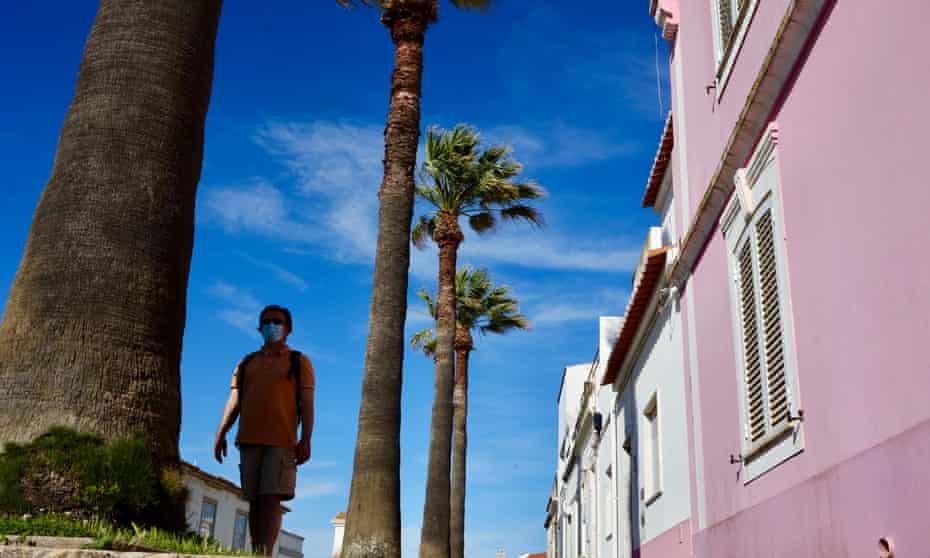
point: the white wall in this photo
(289, 545)
(658, 371)
(227, 504)
(339, 527)
(570, 402)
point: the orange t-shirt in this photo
(268, 402)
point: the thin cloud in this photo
(551, 305)
(315, 489)
(241, 307)
(284, 275)
(558, 145)
(547, 251)
(338, 165)
(257, 207)
(335, 168)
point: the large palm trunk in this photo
(434, 539)
(463, 346)
(92, 333)
(373, 518)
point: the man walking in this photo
(272, 390)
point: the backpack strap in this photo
(295, 372)
(242, 366)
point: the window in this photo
(207, 517)
(652, 454)
(762, 329)
(240, 528)
(731, 18)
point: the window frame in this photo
(216, 509)
(762, 178)
(245, 532)
(652, 457)
(725, 55)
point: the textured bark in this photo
(373, 518)
(92, 333)
(463, 346)
(434, 539)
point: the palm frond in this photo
(521, 212)
(430, 303)
(422, 231)
(482, 5)
(424, 341)
(482, 222)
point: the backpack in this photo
(292, 372)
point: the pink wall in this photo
(674, 543)
(853, 137)
(841, 512)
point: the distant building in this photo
(215, 508)
(339, 526)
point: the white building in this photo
(623, 485)
(644, 501)
(572, 516)
(339, 527)
(215, 508)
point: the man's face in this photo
(275, 317)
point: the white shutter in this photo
(755, 398)
(760, 302)
(725, 19)
(771, 321)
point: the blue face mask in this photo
(272, 333)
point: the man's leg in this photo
(254, 532)
(250, 475)
(279, 479)
(269, 522)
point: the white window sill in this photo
(784, 446)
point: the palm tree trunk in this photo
(459, 445)
(434, 539)
(94, 322)
(373, 518)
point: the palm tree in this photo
(482, 307)
(373, 518)
(457, 182)
(92, 333)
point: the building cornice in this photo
(660, 163)
(665, 13)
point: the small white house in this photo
(215, 508)
(339, 526)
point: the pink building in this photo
(800, 137)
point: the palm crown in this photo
(480, 306)
(387, 5)
(457, 180)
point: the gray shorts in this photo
(267, 471)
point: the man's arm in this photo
(306, 425)
(230, 414)
(306, 415)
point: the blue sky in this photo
(286, 213)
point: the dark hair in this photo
(275, 308)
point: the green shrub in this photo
(68, 471)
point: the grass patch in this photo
(67, 471)
(108, 537)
